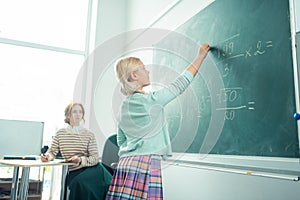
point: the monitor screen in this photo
(20, 138)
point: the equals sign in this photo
(251, 104)
(269, 44)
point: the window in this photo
(37, 84)
(60, 23)
(43, 45)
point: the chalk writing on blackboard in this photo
(231, 95)
(226, 49)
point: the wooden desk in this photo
(26, 164)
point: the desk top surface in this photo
(33, 163)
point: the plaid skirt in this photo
(137, 178)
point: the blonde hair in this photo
(124, 67)
(68, 111)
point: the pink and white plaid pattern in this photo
(137, 178)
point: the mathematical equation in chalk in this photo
(227, 50)
(231, 97)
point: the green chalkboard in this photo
(243, 100)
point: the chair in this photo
(110, 157)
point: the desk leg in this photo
(63, 182)
(15, 184)
(24, 183)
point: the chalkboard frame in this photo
(296, 61)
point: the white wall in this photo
(195, 184)
(175, 13)
(111, 20)
(297, 13)
(116, 17)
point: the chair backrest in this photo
(110, 157)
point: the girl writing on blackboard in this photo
(142, 134)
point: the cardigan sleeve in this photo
(165, 95)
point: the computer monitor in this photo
(20, 138)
